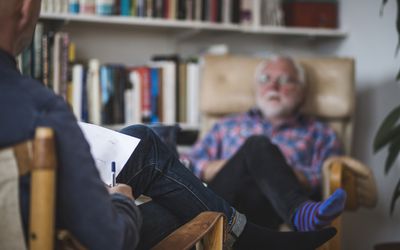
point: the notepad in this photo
(106, 146)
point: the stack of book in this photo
(162, 91)
(244, 12)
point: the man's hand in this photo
(121, 189)
(211, 169)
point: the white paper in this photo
(106, 146)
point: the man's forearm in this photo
(211, 169)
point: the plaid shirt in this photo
(304, 142)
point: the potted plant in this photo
(389, 132)
(389, 135)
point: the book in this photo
(155, 95)
(77, 86)
(105, 7)
(107, 146)
(37, 52)
(94, 92)
(134, 77)
(193, 90)
(168, 96)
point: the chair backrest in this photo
(38, 158)
(228, 82)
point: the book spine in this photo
(246, 15)
(64, 65)
(133, 8)
(134, 79)
(145, 95)
(94, 92)
(45, 60)
(87, 7)
(56, 63)
(73, 6)
(104, 7)
(77, 86)
(84, 108)
(125, 7)
(37, 47)
(105, 94)
(172, 9)
(154, 82)
(193, 89)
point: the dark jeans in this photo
(258, 182)
(178, 196)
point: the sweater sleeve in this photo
(84, 206)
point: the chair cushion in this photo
(11, 233)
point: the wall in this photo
(371, 41)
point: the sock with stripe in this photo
(317, 215)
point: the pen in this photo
(113, 173)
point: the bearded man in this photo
(240, 156)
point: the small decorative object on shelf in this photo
(311, 13)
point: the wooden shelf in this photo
(158, 22)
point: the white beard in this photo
(274, 105)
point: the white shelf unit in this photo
(158, 22)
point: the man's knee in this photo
(139, 131)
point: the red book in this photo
(144, 73)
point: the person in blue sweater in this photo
(109, 219)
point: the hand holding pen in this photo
(119, 188)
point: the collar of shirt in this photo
(7, 60)
(255, 113)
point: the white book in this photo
(169, 90)
(57, 6)
(50, 6)
(107, 146)
(77, 83)
(129, 106)
(57, 62)
(135, 79)
(43, 7)
(226, 11)
(64, 6)
(193, 91)
(94, 92)
(198, 9)
(256, 13)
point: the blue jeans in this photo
(178, 196)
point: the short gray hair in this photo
(301, 75)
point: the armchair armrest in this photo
(207, 226)
(353, 176)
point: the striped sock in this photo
(316, 215)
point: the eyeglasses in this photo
(282, 80)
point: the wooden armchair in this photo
(227, 87)
(38, 157)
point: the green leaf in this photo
(396, 195)
(398, 76)
(394, 150)
(387, 131)
(398, 26)
(383, 5)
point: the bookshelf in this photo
(144, 37)
(196, 25)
